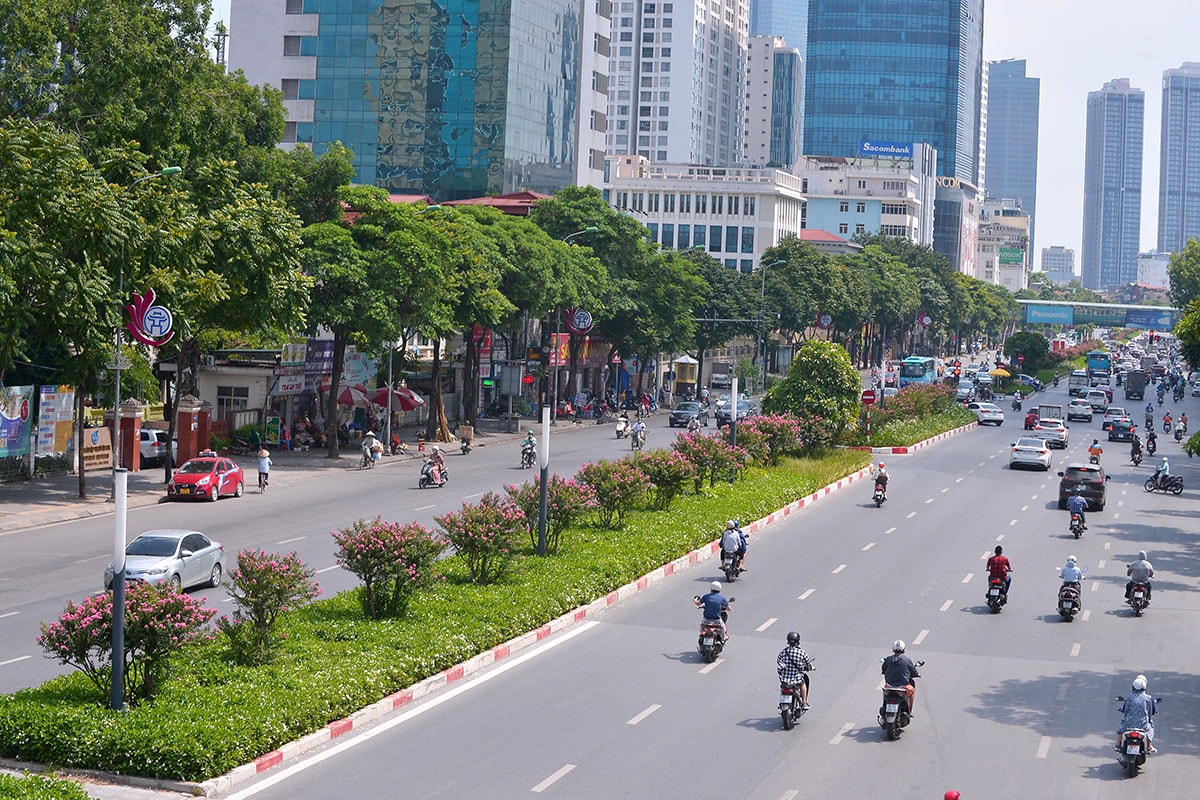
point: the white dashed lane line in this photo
(14, 660)
(1107, 545)
(946, 605)
(1024, 508)
(644, 714)
(707, 668)
(1000, 538)
(1087, 615)
(986, 553)
(968, 578)
(842, 733)
(945, 490)
(889, 530)
(807, 594)
(1101, 564)
(790, 794)
(289, 541)
(930, 500)
(958, 480)
(1011, 523)
(1044, 747)
(1062, 692)
(766, 625)
(546, 784)
(839, 569)
(9, 614)
(1095, 587)
(868, 547)
(920, 637)
(911, 514)
(1075, 648)
(326, 569)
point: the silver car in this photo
(179, 558)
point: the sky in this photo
(1074, 48)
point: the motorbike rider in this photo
(731, 540)
(369, 446)
(714, 605)
(1149, 415)
(899, 670)
(1071, 573)
(791, 665)
(1138, 712)
(1095, 450)
(439, 463)
(1161, 473)
(639, 430)
(1140, 571)
(529, 443)
(1151, 441)
(693, 425)
(623, 421)
(731, 526)
(1077, 504)
(998, 566)
(881, 476)
(1167, 422)
(1183, 421)
(1135, 447)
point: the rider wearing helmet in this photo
(731, 525)
(1070, 572)
(791, 664)
(1140, 571)
(1162, 473)
(881, 476)
(1095, 450)
(1138, 710)
(899, 670)
(715, 605)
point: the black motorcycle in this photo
(893, 714)
(1076, 526)
(880, 495)
(1134, 747)
(791, 707)
(527, 454)
(1070, 600)
(712, 635)
(1172, 484)
(1139, 597)
(997, 595)
(1136, 458)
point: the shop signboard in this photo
(16, 420)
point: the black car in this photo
(1121, 430)
(1089, 476)
(685, 412)
(745, 410)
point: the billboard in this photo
(1052, 315)
(1012, 255)
(1154, 319)
(886, 149)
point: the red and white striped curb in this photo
(471, 666)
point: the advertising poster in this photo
(16, 420)
(56, 407)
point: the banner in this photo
(16, 420)
(56, 407)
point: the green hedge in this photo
(214, 715)
(39, 787)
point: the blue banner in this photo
(1051, 315)
(16, 420)
(1155, 319)
(885, 149)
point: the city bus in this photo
(917, 369)
(1098, 361)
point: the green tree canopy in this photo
(1032, 345)
(822, 386)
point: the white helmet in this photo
(730, 524)
(715, 586)
(1071, 559)
(898, 646)
(437, 449)
(1139, 683)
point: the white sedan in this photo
(1053, 432)
(987, 413)
(1029, 452)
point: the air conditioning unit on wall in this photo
(210, 361)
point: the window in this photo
(653, 228)
(734, 203)
(747, 240)
(643, 111)
(668, 235)
(718, 204)
(663, 125)
(701, 204)
(746, 266)
(894, 208)
(714, 238)
(685, 203)
(844, 206)
(232, 398)
(700, 231)
(843, 228)
(295, 7)
(731, 263)
(862, 184)
(669, 202)
(291, 45)
(860, 207)
(625, 51)
(289, 132)
(804, 185)
(626, 36)
(644, 125)
(291, 88)
(647, 52)
(731, 238)
(645, 96)
(860, 228)
(685, 232)
(751, 202)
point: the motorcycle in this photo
(367, 462)
(1134, 747)
(1136, 458)
(1056, 380)
(1173, 484)
(1070, 600)
(1016, 405)
(996, 595)
(731, 565)
(893, 714)
(791, 708)
(1179, 433)
(1093, 459)
(1139, 598)
(637, 440)
(1160, 399)
(622, 427)
(712, 635)
(1166, 424)
(1076, 526)
(1149, 422)
(1151, 446)
(879, 495)
(465, 446)
(527, 454)
(429, 478)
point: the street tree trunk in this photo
(335, 378)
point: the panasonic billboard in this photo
(886, 149)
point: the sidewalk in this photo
(28, 504)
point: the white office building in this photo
(1058, 263)
(774, 103)
(1003, 242)
(675, 92)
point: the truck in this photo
(1046, 411)
(1078, 383)
(1135, 384)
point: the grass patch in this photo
(908, 431)
(215, 715)
(39, 787)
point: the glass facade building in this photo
(1179, 154)
(1112, 185)
(1013, 104)
(786, 18)
(453, 99)
(888, 71)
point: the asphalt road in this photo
(1016, 705)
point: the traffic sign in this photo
(1020, 359)
(868, 397)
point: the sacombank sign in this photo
(888, 149)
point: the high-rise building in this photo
(1179, 154)
(881, 70)
(1003, 257)
(774, 103)
(1112, 185)
(956, 223)
(454, 100)
(1058, 263)
(1012, 136)
(678, 100)
(786, 18)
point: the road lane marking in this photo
(13, 660)
(842, 733)
(766, 625)
(920, 637)
(1062, 692)
(889, 530)
(1116, 515)
(1043, 486)
(424, 508)
(1000, 538)
(710, 667)
(1011, 523)
(293, 539)
(945, 490)
(839, 569)
(1107, 545)
(1044, 747)
(946, 605)
(644, 714)
(1101, 564)
(958, 480)
(427, 705)
(986, 553)
(472, 497)
(327, 569)
(1120, 503)
(911, 514)
(790, 794)
(1075, 648)
(981, 463)
(968, 578)
(1024, 508)
(971, 471)
(806, 594)
(1095, 587)
(544, 785)
(930, 500)
(1087, 614)
(9, 614)
(1123, 491)
(993, 455)
(1035, 497)
(868, 547)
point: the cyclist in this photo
(264, 469)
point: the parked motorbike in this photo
(431, 476)
(712, 635)
(1139, 598)
(527, 454)
(879, 495)
(1076, 525)
(893, 714)
(731, 565)
(791, 708)
(996, 595)
(1173, 484)
(1134, 747)
(622, 427)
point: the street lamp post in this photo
(762, 322)
(117, 693)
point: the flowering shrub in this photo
(263, 586)
(392, 560)
(158, 622)
(485, 535)
(710, 456)
(566, 501)
(619, 487)
(752, 441)
(668, 471)
(779, 432)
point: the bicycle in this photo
(262, 482)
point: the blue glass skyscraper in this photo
(786, 18)
(1179, 167)
(1012, 136)
(884, 70)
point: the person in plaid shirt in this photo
(792, 663)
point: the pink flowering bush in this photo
(158, 623)
(485, 535)
(779, 433)
(566, 501)
(668, 472)
(263, 586)
(619, 486)
(712, 457)
(392, 560)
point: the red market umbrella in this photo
(403, 398)
(353, 396)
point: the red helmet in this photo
(952, 795)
